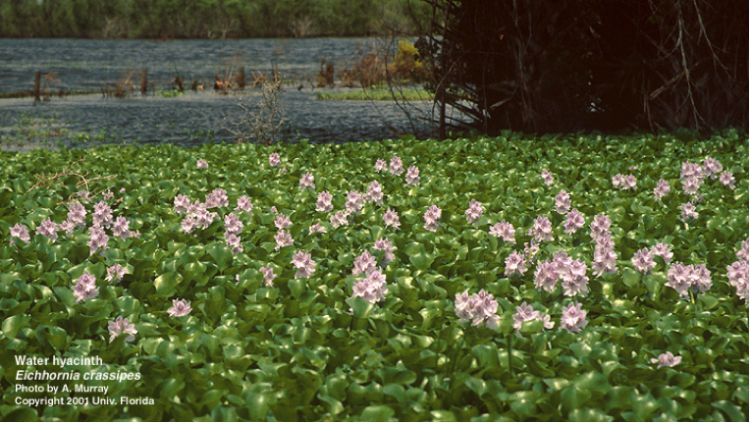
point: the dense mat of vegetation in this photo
(272, 333)
(208, 18)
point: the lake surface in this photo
(88, 65)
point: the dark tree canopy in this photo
(612, 65)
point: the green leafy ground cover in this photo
(379, 94)
(303, 349)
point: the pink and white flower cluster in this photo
(515, 264)
(387, 248)
(562, 202)
(391, 220)
(307, 181)
(526, 313)
(682, 277)
(737, 272)
(412, 175)
(691, 177)
(504, 231)
(85, 287)
(573, 318)
(324, 202)
(605, 257)
(624, 182)
(180, 308)
(479, 309)
(661, 189)
(432, 218)
(372, 287)
(541, 229)
(121, 326)
(667, 359)
(232, 229)
(643, 259)
(474, 212)
(574, 221)
(571, 273)
(303, 262)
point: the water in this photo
(90, 64)
(87, 65)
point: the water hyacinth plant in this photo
(475, 279)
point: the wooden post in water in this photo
(37, 86)
(144, 82)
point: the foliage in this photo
(207, 18)
(378, 94)
(303, 349)
(583, 65)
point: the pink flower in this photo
(233, 224)
(364, 264)
(21, 232)
(76, 214)
(688, 212)
(324, 204)
(85, 287)
(474, 212)
(197, 217)
(737, 273)
(387, 248)
(545, 276)
(181, 204)
(479, 309)
(600, 226)
(48, 228)
(283, 239)
(396, 166)
(667, 359)
(303, 262)
(274, 159)
(372, 288)
(307, 181)
(643, 260)
(217, 198)
(679, 278)
(727, 179)
(115, 273)
(630, 182)
(412, 175)
(573, 318)
(572, 274)
(541, 230)
(605, 257)
(268, 275)
(562, 202)
(682, 277)
(121, 228)
(119, 326)
(245, 204)
(234, 241)
(98, 239)
(574, 221)
(431, 218)
(201, 164)
(663, 250)
(179, 308)
(282, 221)
(712, 167)
(340, 218)
(354, 201)
(102, 214)
(526, 313)
(391, 220)
(547, 177)
(662, 189)
(515, 264)
(380, 165)
(618, 181)
(107, 195)
(504, 231)
(317, 228)
(375, 193)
